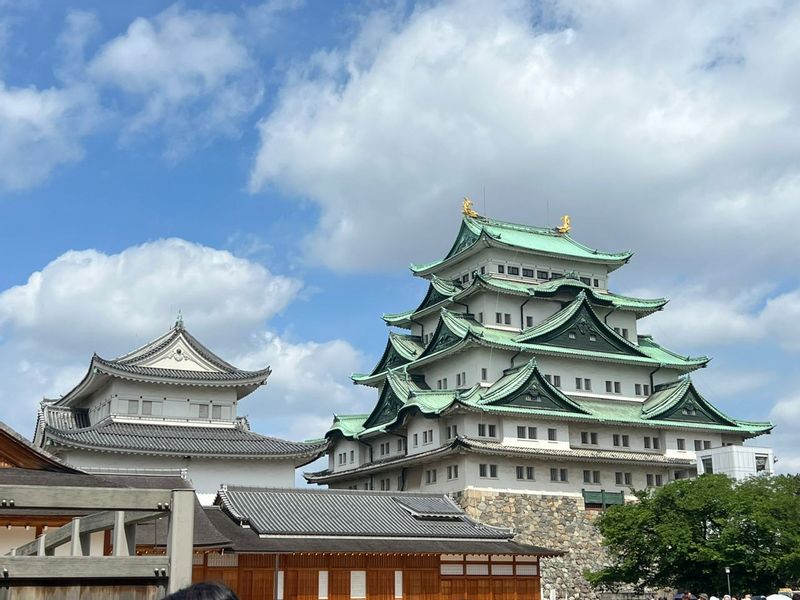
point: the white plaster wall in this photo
(623, 320)
(471, 362)
(491, 257)
(360, 454)
(417, 425)
(15, 537)
(206, 474)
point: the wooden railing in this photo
(119, 510)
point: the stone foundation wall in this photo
(557, 522)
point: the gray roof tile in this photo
(309, 512)
(180, 439)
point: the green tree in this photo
(684, 534)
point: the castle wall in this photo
(558, 522)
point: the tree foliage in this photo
(684, 534)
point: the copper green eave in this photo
(568, 284)
(483, 232)
(552, 337)
(524, 391)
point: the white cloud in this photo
(700, 317)
(189, 70)
(683, 109)
(87, 301)
(40, 130)
(786, 438)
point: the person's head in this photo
(796, 596)
(703, 596)
(203, 591)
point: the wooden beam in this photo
(180, 538)
(76, 567)
(62, 497)
(88, 525)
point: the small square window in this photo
(147, 407)
(542, 275)
(501, 269)
(513, 270)
(528, 321)
(532, 433)
(507, 318)
(681, 444)
(586, 280)
(483, 270)
(522, 432)
(571, 335)
(592, 337)
(216, 412)
(552, 434)
(203, 411)
(528, 273)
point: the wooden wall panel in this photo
(380, 585)
(528, 588)
(339, 585)
(422, 584)
(452, 589)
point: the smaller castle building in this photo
(171, 404)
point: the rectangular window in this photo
(615, 439)
(650, 479)
(383, 450)
(529, 473)
(587, 385)
(507, 318)
(358, 584)
(399, 445)
(706, 445)
(480, 317)
(557, 381)
(638, 389)
(548, 378)
(483, 270)
(352, 456)
(203, 411)
(147, 407)
(656, 443)
(628, 478)
(555, 275)
(444, 383)
(528, 273)
(586, 280)
(216, 412)
(458, 379)
(552, 434)
(646, 442)
(498, 318)
(481, 430)
(659, 480)
(617, 387)
(493, 471)
(532, 433)
(492, 430)
(430, 476)
(708, 466)
(626, 441)
(520, 472)
(584, 437)
(618, 477)
(513, 270)
(608, 386)
(452, 472)
(698, 444)
(464, 278)
(591, 476)
(625, 333)
(501, 269)
(522, 432)
(681, 444)
(572, 335)
(528, 321)
(438, 384)
(646, 389)
(578, 383)
(484, 374)
(133, 407)
(482, 470)
(596, 283)
(416, 439)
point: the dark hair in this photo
(204, 591)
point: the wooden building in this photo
(303, 544)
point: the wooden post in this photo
(119, 541)
(180, 539)
(75, 546)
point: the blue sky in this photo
(271, 169)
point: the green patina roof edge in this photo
(543, 290)
(477, 225)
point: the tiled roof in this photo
(182, 374)
(115, 436)
(332, 513)
(245, 539)
(537, 240)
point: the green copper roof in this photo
(546, 289)
(524, 391)
(534, 240)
